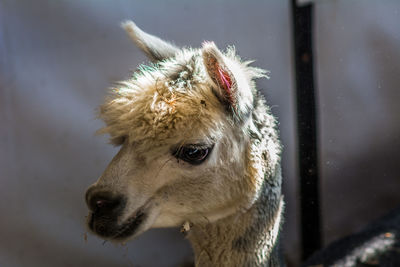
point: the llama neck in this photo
(246, 238)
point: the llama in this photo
(199, 149)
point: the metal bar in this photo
(302, 17)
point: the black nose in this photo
(103, 202)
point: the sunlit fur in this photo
(233, 200)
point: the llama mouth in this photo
(106, 227)
(130, 227)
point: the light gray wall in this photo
(57, 59)
(358, 52)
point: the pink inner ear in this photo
(226, 80)
(226, 83)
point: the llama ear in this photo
(220, 74)
(231, 85)
(155, 48)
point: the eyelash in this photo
(193, 154)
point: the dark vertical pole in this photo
(307, 128)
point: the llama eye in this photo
(192, 154)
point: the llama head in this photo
(190, 127)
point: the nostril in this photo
(100, 203)
(104, 202)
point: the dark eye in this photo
(193, 154)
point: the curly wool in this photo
(152, 103)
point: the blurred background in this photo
(57, 59)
